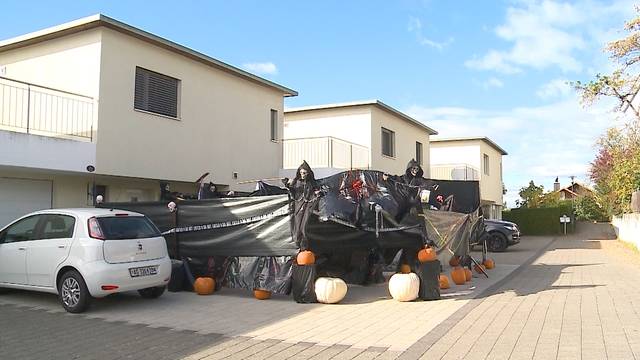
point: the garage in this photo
(22, 196)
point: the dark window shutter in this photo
(156, 93)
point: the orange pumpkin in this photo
(444, 281)
(427, 254)
(454, 261)
(405, 268)
(467, 274)
(306, 258)
(489, 264)
(478, 268)
(204, 285)
(261, 294)
(458, 276)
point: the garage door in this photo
(22, 196)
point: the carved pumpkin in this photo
(444, 281)
(204, 285)
(489, 264)
(427, 254)
(478, 268)
(458, 276)
(306, 258)
(261, 294)
(454, 261)
(404, 287)
(467, 274)
(405, 268)
(330, 290)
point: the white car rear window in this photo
(127, 227)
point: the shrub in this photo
(540, 221)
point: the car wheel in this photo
(73, 293)
(152, 292)
(4, 290)
(496, 242)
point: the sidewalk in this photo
(579, 300)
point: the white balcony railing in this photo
(454, 172)
(324, 152)
(40, 110)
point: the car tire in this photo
(4, 290)
(496, 242)
(152, 292)
(73, 293)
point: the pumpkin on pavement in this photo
(261, 294)
(489, 264)
(458, 276)
(404, 287)
(444, 281)
(330, 290)
(204, 285)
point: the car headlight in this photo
(511, 227)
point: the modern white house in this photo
(472, 158)
(353, 135)
(135, 108)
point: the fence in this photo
(40, 110)
(454, 172)
(326, 152)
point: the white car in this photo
(84, 253)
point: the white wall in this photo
(627, 228)
(43, 152)
(351, 124)
(71, 63)
(443, 154)
(223, 125)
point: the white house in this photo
(353, 135)
(137, 108)
(472, 158)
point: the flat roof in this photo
(377, 103)
(479, 138)
(98, 20)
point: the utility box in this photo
(635, 202)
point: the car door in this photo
(13, 249)
(50, 249)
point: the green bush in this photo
(540, 221)
(587, 208)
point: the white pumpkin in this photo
(330, 290)
(404, 287)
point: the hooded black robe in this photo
(303, 199)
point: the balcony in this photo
(324, 152)
(39, 110)
(454, 172)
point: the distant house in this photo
(472, 158)
(354, 135)
(572, 191)
(139, 109)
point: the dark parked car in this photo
(501, 234)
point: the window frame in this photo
(273, 125)
(485, 164)
(152, 112)
(419, 153)
(392, 137)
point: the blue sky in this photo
(465, 68)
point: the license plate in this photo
(143, 271)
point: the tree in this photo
(623, 83)
(531, 196)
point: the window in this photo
(274, 125)
(485, 163)
(127, 227)
(23, 230)
(58, 227)
(388, 142)
(419, 152)
(156, 93)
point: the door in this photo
(13, 250)
(22, 196)
(50, 249)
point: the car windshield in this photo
(127, 227)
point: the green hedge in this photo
(540, 221)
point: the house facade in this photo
(472, 158)
(136, 109)
(356, 135)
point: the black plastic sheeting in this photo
(304, 280)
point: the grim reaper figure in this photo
(304, 192)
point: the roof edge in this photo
(481, 138)
(372, 102)
(98, 20)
